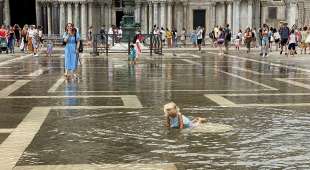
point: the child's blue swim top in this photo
(132, 53)
(174, 122)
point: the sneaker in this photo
(36, 55)
(281, 52)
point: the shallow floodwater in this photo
(261, 137)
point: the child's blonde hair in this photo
(171, 105)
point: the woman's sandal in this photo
(76, 76)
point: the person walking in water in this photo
(72, 40)
(199, 37)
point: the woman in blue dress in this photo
(72, 40)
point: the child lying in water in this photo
(175, 119)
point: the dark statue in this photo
(129, 27)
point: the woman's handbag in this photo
(22, 44)
(308, 39)
(63, 43)
(220, 40)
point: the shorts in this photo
(265, 41)
(49, 50)
(303, 45)
(130, 58)
(284, 41)
(199, 41)
(220, 41)
(34, 43)
(292, 46)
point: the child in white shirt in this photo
(237, 43)
(49, 49)
(292, 41)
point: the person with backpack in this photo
(227, 33)
(284, 34)
(292, 40)
(277, 38)
(71, 39)
(183, 37)
(254, 38)
(213, 39)
(199, 37)
(304, 35)
(221, 40)
(265, 40)
(248, 39)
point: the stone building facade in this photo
(188, 14)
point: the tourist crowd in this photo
(28, 39)
(284, 39)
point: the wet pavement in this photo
(112, 116)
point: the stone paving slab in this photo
(154, 166)
(133, 133)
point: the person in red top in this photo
(3, 32)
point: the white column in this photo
(213, 14)
(55, 17)
(113, 16)
(150, 17)
(229, 13)
(190, 23)
(155, 14)
(250, 13)
(257, 14)
(6, 12)
(169, 16)
(179, 20)
(76, 15)
(145, 18)
(162, 14)
(222, 11)
(49, 19)
(110, 14)
(236, 18)
(62, 18)
(90, 14)
(69, 11)
(185, 16)
(102, 15)
(83, 31)
(38, 13)
(138, 12)
(292, 12)
(106, 18)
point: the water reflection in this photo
(263, 138)
(71, 87)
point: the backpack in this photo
(211, 35)
(227, 35)
(81, 48)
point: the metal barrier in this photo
(107, 43)
(56, 39)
